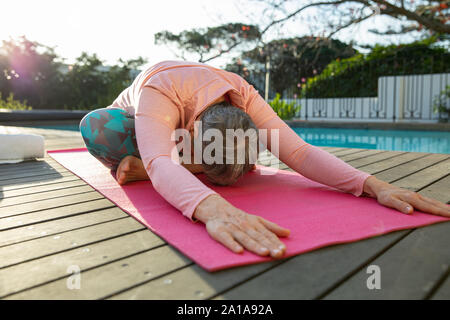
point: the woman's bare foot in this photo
(131, 169)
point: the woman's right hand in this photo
(237, 230)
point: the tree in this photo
(85, 82)
(90, 84)
(292, 61)
(412, 15)
(35, 73)
(30, 70)
(118, 77)
(212, 42)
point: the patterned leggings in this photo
(109, 135)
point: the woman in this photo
(134, 136)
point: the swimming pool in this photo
(393, 140)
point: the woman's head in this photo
(240, 142)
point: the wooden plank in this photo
(4, 194)
(38, 248)
(37, 197)
(97, 283)
(375, 158)
(408, 270)
(388, 163)
(54, 213)
(23, 186)
(443, 292)
(25, 180)
(33, 273)
(26, 174)
(438, 190)
(338, 150)
(332, 149)
(348, 152)
(53, 227)
(361, 155)
(17, 172)
(48, 204)
(308, 275)
(399, 172)
(38, 165)
(25, 165)
(280, 279)
(425, 177)
(193, 282)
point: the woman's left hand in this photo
(403, 200)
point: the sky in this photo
(124, 29)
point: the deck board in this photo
(44, 195)
(18, 193)
(424, 251)
(56, 202)
(71, 209)
(443, 292)
(55, 226)
(308, 275)
(18, 278)
(50, 219)
(278, 285)
(47, 245)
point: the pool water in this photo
(393, 140)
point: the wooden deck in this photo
(51, 220)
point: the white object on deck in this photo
(19, 147)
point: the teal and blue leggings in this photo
(109, 135)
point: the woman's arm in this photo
(155, 120)
(321, 166)
(306, 159)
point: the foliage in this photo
(30, 70)
(11, 104)
(291, 60)
(211, 42)
(89, 85)
(441, 105)
(357, 76)
(35, 73)
(423, 17)
(283, 109)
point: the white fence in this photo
(400, 98)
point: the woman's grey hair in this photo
(223, 116)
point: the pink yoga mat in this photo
(317, 215)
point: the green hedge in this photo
(12, 104)
(358, 76)
(283, 109)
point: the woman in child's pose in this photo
(133, 137)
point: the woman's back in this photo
(191, 86)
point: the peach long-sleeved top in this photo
(171, 94)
